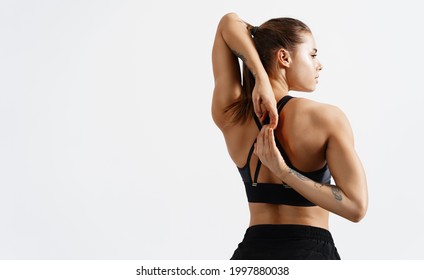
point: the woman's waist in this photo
(264, 213)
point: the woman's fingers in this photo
(257, 107)
(273, 118)
(262, 146)
(266, 139)
(269, 110)
(266, 110)
(267, 151)
(271, 138)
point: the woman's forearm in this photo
(236, 35)
(329, 197)
(348, 204)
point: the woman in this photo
(286, 164)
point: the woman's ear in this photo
(284, 59)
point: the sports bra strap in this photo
(258, 167)
(250, 153)
(257, 121)
(281, 103)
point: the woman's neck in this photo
(280, 87)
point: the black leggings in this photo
(286, 242)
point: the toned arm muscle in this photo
(232, 41)
(345, 166)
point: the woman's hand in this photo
(264, 103)
(268, 153)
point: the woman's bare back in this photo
(304, 141)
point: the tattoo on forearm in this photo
(245, 61)
(334, 189)
(298, 175)
(318, 185)
(337, 193)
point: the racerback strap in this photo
(280, 105)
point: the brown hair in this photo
(268, 38)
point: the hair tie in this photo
(253, 31)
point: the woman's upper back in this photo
(301, 131)
(278, 192)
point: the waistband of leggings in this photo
(278, 231)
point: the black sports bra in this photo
(278, 193)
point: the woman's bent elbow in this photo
(227, 17)
(358, 213)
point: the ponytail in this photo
(242, 108)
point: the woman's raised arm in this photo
(232, 41)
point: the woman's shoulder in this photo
(318, 113)
(316, 109)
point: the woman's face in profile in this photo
(303, 73)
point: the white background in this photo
(108, 149)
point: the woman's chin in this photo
(308, 88)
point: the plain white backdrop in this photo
(108, 149)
